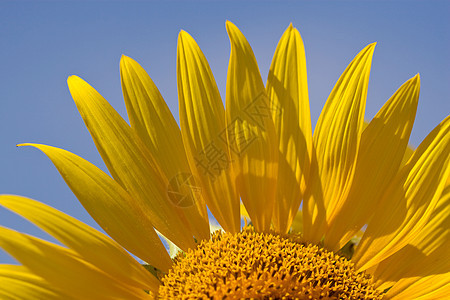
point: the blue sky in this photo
(45, 42)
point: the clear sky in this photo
(42, 43)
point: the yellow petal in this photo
(409, 201)
(436, 231)
(426, 254)
(244, 213)
(155, 125)
(130, 162)
(287, 90)
(64, 269)
(250, 132)
(336, 142)
(111, 206)
(202, 118)
(16, 282)
(93, 246)
(382, 148)
(421, 288)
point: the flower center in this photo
(263, 266)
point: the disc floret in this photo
(264, 266)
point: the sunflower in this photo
(374, 215)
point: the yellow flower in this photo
(259, 149)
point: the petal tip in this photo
(37, 146)
(230, 27)
(73, 80)
(72, 77)
(127, 63)
(124, 59)
(415, 81)
(183, 37)
(370, 48)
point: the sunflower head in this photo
(251, 265)
(348, 211)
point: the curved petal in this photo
(382, 148)
(336, 142)
(64, 269)
(92, 246)
(409, 201)
(287, 89)
(202, 119)
(130, 162)
(426, 254)
(155, 125)
(110, 205)
(421, 288)
(250, 132)
(16, 282)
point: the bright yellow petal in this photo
(250, 131)
(244, 213)
(336, 142)
(93, 246)
(202, 118)
(16, 282)
(64, 269)
(437, 230)
(130, 162)
(155, 125)
(426, 254)
(382, 148)
(412, 262)
(287, 90)
(111, 206)
(409, 201)
(421, 288)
